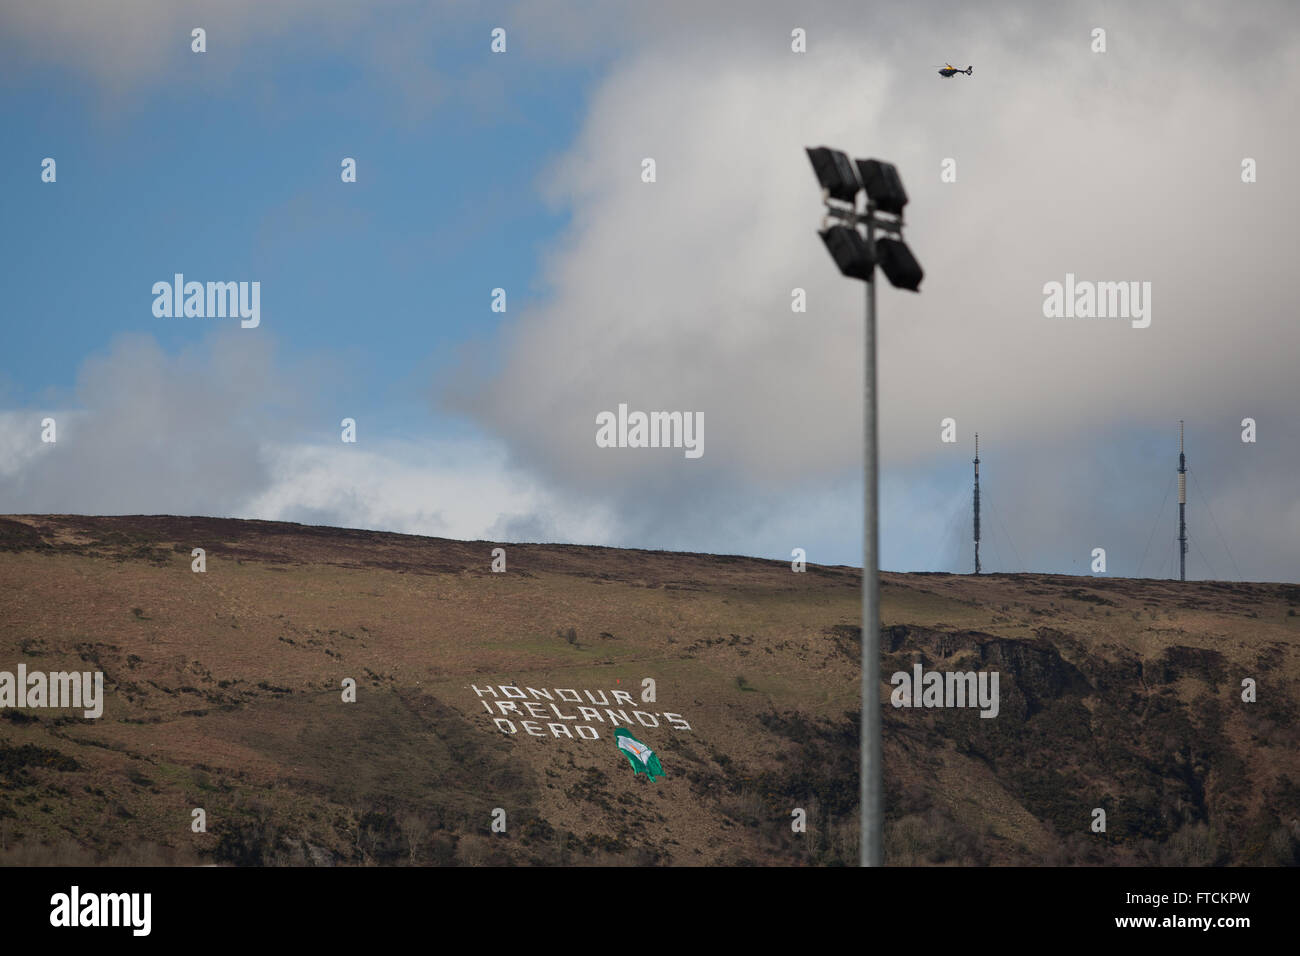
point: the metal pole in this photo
(872, 818)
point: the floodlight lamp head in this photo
(883, 184)
(835, 173)
(849, 250)
(899, 265)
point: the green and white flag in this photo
(641, 757)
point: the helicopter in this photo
(949, 70)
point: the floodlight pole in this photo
(870, 797)
(858, 259)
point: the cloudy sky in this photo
(522, 171)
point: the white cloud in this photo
(675, 295)
(222, 428)
(150, 432)
(452, 489)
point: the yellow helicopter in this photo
(949, 70)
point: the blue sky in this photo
(522, 171)
(233, 183)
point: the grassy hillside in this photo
(223, 691)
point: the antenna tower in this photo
(1182, 506)
(977, 503)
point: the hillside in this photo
(223, 691)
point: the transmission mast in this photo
(1182, 506)
(977, 503)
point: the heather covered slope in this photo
(223, 692)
